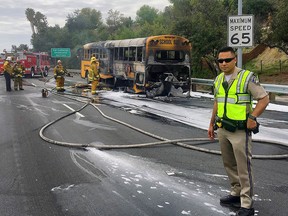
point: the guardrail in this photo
(271, 88)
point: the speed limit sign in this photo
(240, 31)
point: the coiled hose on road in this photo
(178, 142)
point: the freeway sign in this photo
(60, 52)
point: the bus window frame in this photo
(121, 54)
(139, 58)
(132, 53)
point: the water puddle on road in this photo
(145, 183)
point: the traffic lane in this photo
(260, 199)
(209, 167)
(23, 188)
(29, 167)
(9, 160)
(266, 200)
(114, 179)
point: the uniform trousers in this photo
(236, 155)
(18, 82)
(60, 83)
(94, 85)
(8, 81)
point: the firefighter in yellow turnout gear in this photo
(18, 72)
(59, 72)
(94, 75)
(8, 70)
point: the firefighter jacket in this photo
(93, 71)
(7, 67)
(233, 99)
(18, 70)
(59, 71)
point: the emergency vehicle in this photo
(2, 60)
(36, 64)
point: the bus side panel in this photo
(85, 65)
(119, 70)
(104, 71)
(140, 78)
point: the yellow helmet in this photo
(93, 59)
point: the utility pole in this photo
(239, 50)
(240, 32)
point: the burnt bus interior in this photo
(169, 66)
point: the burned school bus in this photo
(155, 65)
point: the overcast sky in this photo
(15, 28)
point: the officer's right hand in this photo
(211, 134)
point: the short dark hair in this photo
(226, 49)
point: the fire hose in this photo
(178, 142)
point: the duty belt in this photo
(230, 125)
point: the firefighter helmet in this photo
(59, 61)
(9, 58)
(93, 59)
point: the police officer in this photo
(59, 72)
(234, 91)
(18, 72)
(94, 75)
(8, 72)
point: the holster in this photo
(229, 125)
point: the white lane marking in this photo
(73, 110)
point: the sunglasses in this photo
(227, 60)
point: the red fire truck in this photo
(2, 60)
(36, 64)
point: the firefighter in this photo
(59, 72)
(18, 72)
(8, 72)
(94, 75)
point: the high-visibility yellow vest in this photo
(232, 104)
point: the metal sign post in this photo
(239, 51)
(240, 32)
